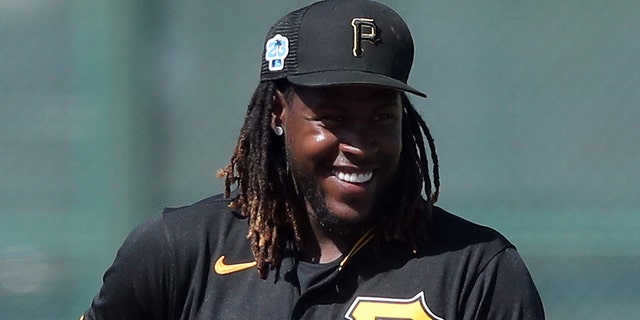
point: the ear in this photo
(278, 111)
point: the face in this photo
(343, 147)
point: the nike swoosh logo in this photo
(222, 268)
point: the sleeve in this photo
(504, 290)
(135, 285)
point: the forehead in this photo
(349, 95)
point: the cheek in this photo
(394, 152)
(321, 137)
(310, 145)
(391, 143)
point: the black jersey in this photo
(195, 263)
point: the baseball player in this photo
(329, 204)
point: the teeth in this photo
(354, 177)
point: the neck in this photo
(325, 247)
(322, 247)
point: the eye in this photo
(382, 117)
(331, 118)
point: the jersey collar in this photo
(364, 239)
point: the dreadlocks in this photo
(410, 221)
(267, 194)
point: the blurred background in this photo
(112, 110)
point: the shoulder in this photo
(204, 214)
(486, 266)
(216, 206)
(188, 227)
(178, 240)
(455, 232)
(463, 242)
(163, 257)
(495, 281)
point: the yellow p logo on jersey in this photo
(372, 308)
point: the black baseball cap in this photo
(337, 42)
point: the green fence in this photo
(111, 110)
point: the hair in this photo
(267, 195)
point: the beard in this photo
(330, 223)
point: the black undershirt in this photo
(310, 273)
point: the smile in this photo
(354, 177)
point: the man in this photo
(328, 210)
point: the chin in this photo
(342, 218)
(350, 214)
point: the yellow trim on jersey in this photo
(356, 247)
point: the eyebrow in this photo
(324, 105)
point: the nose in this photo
(359, 141)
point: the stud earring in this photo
(278, 130)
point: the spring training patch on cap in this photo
(277, 49)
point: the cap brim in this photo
(350, 77)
